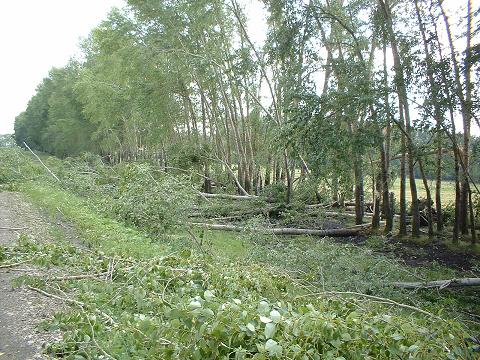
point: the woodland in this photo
(311, 195)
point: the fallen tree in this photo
(287, 231)
(228, 196)
(439, 284)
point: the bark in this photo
(403, 198)
(207, 182)
(439, 284)
(359, 194)
(429, 198)
(403, 98)
(466, 115)
(451, 135)
(472, 217)
(385, 152)
(268, 170)
(376, 202)
(391, 201)
(438, 119)
(466, 191)
(438, 182)
(456, 223)
(287, 231)
(228, 196)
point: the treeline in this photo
(345, 95)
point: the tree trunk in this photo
(268, 171)
(429, 198)
(465, 110)
(376, 201)
(439, 284)
(385, 152)
(403, 177)
(402, 95)
(287, 231)
(359, 194)
(438, 118)
(472, 216)
(456, 223)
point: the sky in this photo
(36, 35)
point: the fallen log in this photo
(287, 231)
(228, 196)
(439, 284)
(335, 213)
(41, 162)
(7, 266)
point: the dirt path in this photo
(21, 310)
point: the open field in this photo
(448, 190)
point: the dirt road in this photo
(21, 310)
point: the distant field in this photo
(448, 190)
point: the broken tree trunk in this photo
(41, 162)
(287, 231)
(228, 196)
(440, 284)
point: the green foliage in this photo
(190, 305)
(53, 121)
(182, 306)
(275, 193)
(150, 201)
(306, 192)
(16, 166)
(7, 140)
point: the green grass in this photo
(448, 190)
(244, 266)
(106, 234)
(169, 298)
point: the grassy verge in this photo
(251, 299)
(237, 296)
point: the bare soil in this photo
(435, 251)
(21, 310)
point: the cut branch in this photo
(41, 162)
(6, 266)
(287, 231)
(439, 284)
(371, 297)
(70, 301)
(12, 228)
(228, 196)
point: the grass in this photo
(320, 263)
(165, 276)
(448, 190)
(244, 266)
(106, 234)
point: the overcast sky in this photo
(36, 35)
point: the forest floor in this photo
(22, 311)
(421, 253)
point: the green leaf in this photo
(208, 295)
(265, 319)
(273, 348)
(270, 329)
(275, 316)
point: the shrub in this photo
(157, 202)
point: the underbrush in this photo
(150, 291)
(182, 305)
